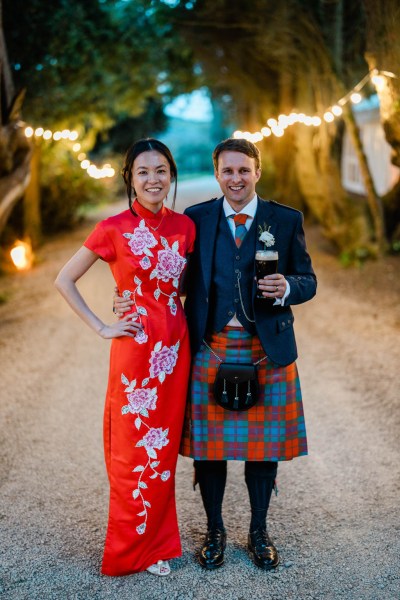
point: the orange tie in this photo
(240, 227)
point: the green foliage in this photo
(91, 61)
(358, 256)
(395, 247)
(90, 65)
(66, 188)
(126, 129)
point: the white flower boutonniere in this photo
(265, 236)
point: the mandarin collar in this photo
(146, 213)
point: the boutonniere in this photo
(265, 236)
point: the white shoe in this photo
(161, 568)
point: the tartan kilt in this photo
(273, 429)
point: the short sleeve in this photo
(100, 242)
(191, 236)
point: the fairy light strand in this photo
(91, 169)
(278, 126)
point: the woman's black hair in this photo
(146, 145)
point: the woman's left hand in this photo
(124, 327)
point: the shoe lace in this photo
(214, 536)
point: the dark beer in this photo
(266, 264)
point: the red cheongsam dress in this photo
(147, 386)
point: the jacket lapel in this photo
(265, 218)
(208, 234)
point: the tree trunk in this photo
(374, 201)
(320, 182)
(338, 38)
(284, 153)
(12, 188)
(383, 53)
(7, 87)
(32, 218)
(15, 149)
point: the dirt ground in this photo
(336, 518)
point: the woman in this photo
(145, 247)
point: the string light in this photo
(329, 117)
(66, 134)
(355, 98)
(278, 126)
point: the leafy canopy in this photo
(91, 61)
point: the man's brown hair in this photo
(237, 145)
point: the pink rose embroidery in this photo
(156, 438)
(163, 360)
(141, 240)
(142, 398)
(170, 265)
(141, 337)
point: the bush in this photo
(66, 188)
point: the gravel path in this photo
(335, 520)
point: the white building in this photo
(376, 148)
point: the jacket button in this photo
(236, 300)
(230, 313)
(237, 271)
(283, 323)
(238, 258)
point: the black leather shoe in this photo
(211, 555)
(263, 551)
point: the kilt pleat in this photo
(273, 429)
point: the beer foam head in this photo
(266, 255)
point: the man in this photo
(227, 322)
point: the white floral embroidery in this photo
(163, 360)
(141, 337)
(141, 240)
(170, 265)
(154, 440)
(140, 402)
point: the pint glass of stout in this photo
(266, 264)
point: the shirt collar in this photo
(249, 210)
